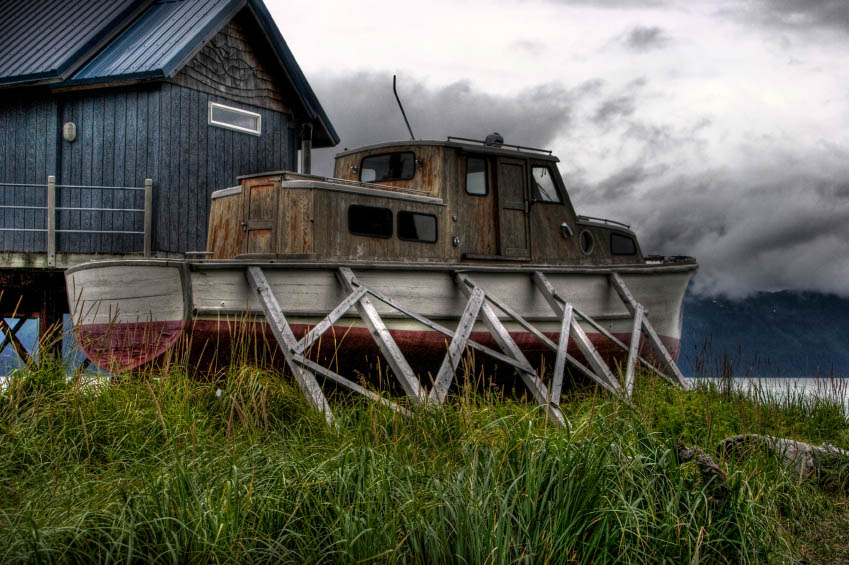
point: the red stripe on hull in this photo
(211, 345)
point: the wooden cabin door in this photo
(259, 216)
(512, 192)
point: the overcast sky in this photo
(718, 129)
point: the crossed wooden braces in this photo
(480, 304)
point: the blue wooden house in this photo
(108, 96)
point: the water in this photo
(831, 389)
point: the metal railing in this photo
(51, 209)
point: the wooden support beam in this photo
(502, 337)
(458, 344)
(560, 361)
(661, 351)
(603, 331)
(633, 352)
(339, 379)
(328, 321)
(283, 333)
(11, 337)
(586, 371)
(403, 372)
(585, 345)
(511, 313)
(443, 330)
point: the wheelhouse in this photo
(453, 201)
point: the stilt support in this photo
(283, 333)
(480, 306)
(10, 334)
(632, 306)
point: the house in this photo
(138, 110)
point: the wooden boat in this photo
(418, 250)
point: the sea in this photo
(831, 389)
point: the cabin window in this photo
(622, 244)
(413, 226)
(370, 221)
(544, 188)
(234, 118)
(388, 166)
(476, 176)
(586, 242)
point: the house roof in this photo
(46, 40)
(100, 41)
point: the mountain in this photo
(769, 334)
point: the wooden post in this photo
(633, 351)
(660, 350)
(148, 217)
(385, 343)
(582, 340)
(51, 221)
(283, 333)
(458, 344)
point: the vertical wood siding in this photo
(124, 136)
(27, 155)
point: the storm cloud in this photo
(776, 219)
(798, 14)
(644, 38)
(364, 111)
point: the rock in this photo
(803, 458)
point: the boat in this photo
(413, 253)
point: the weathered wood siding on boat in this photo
(296, 217)
(225, 232)
(431, 168)
(334, 240)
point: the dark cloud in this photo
(796, 14)
(645, 38)
(751, 228)
(777, 220)
(363, 110)
(615, 108)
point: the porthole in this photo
(587, 242)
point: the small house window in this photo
(388, 166)
(622, 244)
(413, 226)
(544, 189)
(234, 118)
(370, 221)
(476, 176)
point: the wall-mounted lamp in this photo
(69, 131)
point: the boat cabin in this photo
(453, 201)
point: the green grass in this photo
(161, 468)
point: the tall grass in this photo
(165, 468)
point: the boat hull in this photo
(129, 314)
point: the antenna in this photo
(403, 113)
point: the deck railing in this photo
(54, 223)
